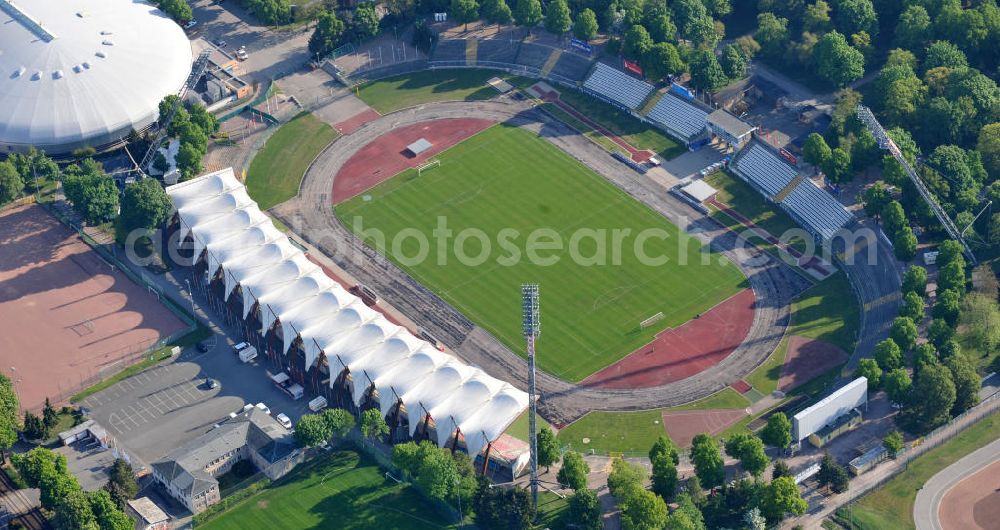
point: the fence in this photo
(932, 440)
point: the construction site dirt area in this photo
(69, 319)
(973, 503)
(387, 156)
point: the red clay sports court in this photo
(673, 355)
(386, 156)
(53, 286)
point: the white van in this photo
(248, 354)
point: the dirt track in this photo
(310, 215)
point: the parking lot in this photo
(158, 410)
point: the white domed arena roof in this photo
(77, 73)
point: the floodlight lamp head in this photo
(529, 310)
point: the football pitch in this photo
(519, 210)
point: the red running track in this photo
(681, 352)
(355, 122)
(386, 156)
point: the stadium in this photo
(86, 73)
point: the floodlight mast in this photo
(885, 142)
(531, 327)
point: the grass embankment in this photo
(277, 170)
(638, 134)
(399, 92)
(594, 299)
(891, 506)
(739, 196)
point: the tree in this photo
(179, 10)
(664, 476)
(837, 61)
(782, 496)
(122, 484)
(623, 475)
(72, 512)
(817, 16)
(772, 34)
(753, 519)
(967, 383)
(893, 442)
(932, 399)
(686, 516)
(203, 119)
(637, 42)
(915, 280)
(662, 29)
(853, 16)
(832, 474)
(662, 60)
(947, 306)
(734, 63)
(708, 463)
(49, 415)
(750, 451)
(778, 431)
(706, 72)
(557, 19)
(913, 306)
(869, 369)
(664, 446)
(464, 11)
(9, 416)
(946, 54)
(144, 206)
(780, 469)
(548, 448)
(528, 13)
(981, 319)
(897, 385)
(904, 333)
(188, 161)
(574, 470)
(312, 430)
(586, 510)
(939, 332)
(952, 276)
(365, 21)
(34, 428)
(585, 25)
(495, 11)
(339, 421)
(11, 183)
(988, 145)
(373, 425)
(107, 514)
(327, 34)
(838, 166)
(642, 510)
(875, 198)
(914, 28)
(888, 355)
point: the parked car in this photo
(263, 407)
(241, 53)
(219, 43)
(284, 420)
(204, 346)
(241, 346)
(190, 24)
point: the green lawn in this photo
(518, 193)
(629, 432)
(633, 131)
(342, 490)
(828, 311)
(519, 429)
(891, 507)
(581, 127)
(748, 203)
(399, 92)
(277, 170)
(765, 377)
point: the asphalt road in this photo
(928, 502)
(311, 216)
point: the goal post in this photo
(431, 164)
(651, 320)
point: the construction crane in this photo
(885, 142)
(197, 70)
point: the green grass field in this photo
(828, 311)
(633, 131)
(507, 183)
(342, 490)
(891, 507)
(399, 92)
(277, 170)
(742, 198)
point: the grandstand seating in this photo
(497, 50)
(817, 209)
(572, 66)
(533, 55)
(618, 86)
(764, 169)
(550, 63)
(471, 46)
(450, 50)
(685, 119)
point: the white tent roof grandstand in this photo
(618, 86)
(84, 72)
(331, 321)
(686, 120)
